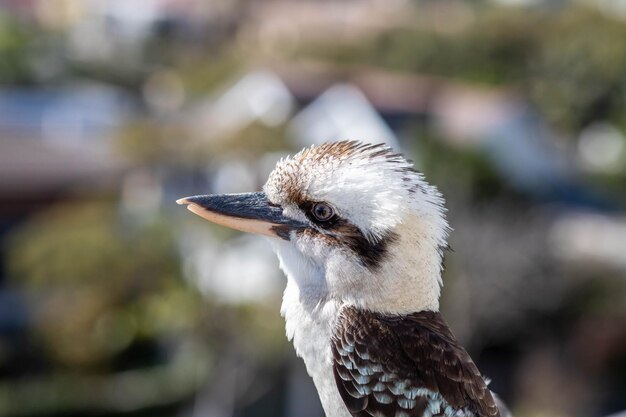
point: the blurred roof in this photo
(388, 91)
(341, 112)
(69, 116)
(52, 139)
(257, 96)
(28, 168)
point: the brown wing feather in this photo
(405, 366)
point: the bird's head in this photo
(352, 221)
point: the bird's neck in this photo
(408, 279)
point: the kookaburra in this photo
(360, 234)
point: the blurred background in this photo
(116, 302)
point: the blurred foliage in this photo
(570, 63)
(147, 141)
(474, 176)
(14, 60)
(602, 294)
(255, 139)
(70, 393)
(577, 76)
(118, 326)
(98, 287)
(205, 71)
(496, 49)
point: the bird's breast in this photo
(309, 320)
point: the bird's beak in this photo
(248, 212)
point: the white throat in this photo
(309, 314)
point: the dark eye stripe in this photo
(342, 232)
(370, 254)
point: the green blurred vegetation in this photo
(569, 63)
(116, 326)
(14, 59)
(99, 287)
(579, 72)
(496, 49)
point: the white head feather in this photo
(377, 191)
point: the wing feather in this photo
(409, 366)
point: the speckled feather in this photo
(405, 366)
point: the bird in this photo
(360, 235)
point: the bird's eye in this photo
(322, 211)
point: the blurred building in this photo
(338, 113)
(56, 140)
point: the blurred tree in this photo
(577, 77)
(110, 309)
(99, 288)
(570, 62)
(14, 61)
(495, 49)
(148, 141)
